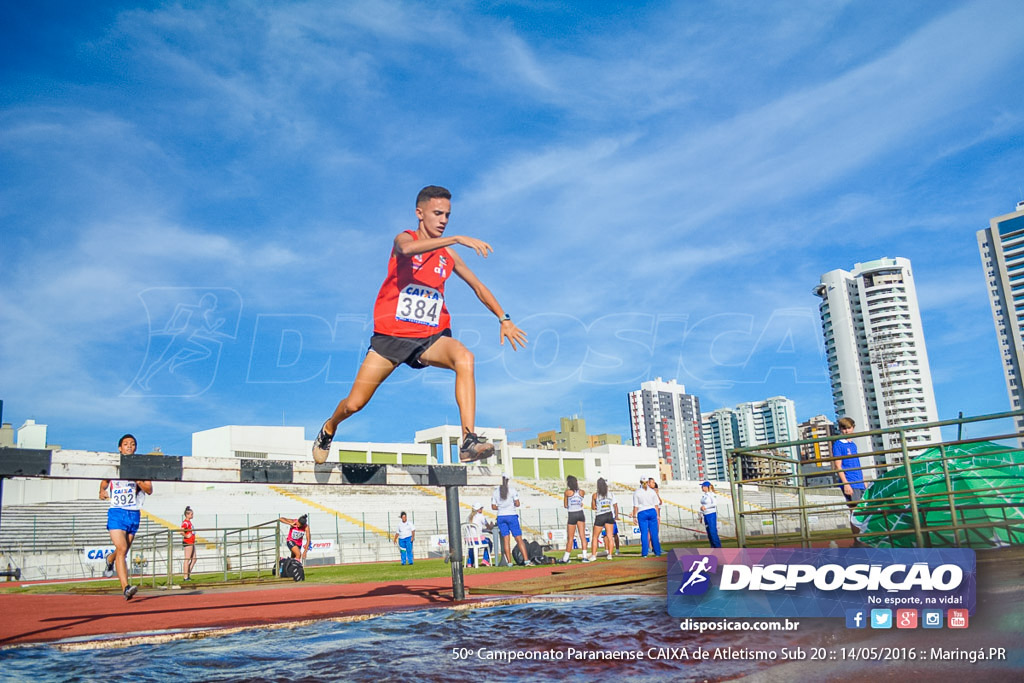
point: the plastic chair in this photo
(475, 543)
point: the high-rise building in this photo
(663, 416)
(721, 434)
(877, 361)
(818, 473)
(754, 423)
(1002, 254)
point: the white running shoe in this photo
(130, 592)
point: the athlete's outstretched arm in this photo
(509, 330)
(405, 245)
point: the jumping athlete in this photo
(123, 517)
(411, 324)
(188, 542)
(298, 530)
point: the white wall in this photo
(620, 463)
(32, 435)
(279, 443)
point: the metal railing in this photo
(954, 496)
(241, 552)
(240, 544)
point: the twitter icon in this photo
(881, 618)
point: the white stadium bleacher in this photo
(357, 522)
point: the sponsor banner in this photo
(97, 553)
(557, 535)
(805, 582)
(439, 542)
(321, 546)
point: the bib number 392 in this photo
(420, 305)
(124, 497)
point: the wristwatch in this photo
(507, 317)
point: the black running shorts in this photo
(406, 350)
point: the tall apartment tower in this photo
(721, 434)
(1002, 254)
(663, 416)
(877, 361)
(754, 423)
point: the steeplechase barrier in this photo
(78, 464)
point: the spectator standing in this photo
(577, 522)
(404, 537)
(188, 541)
(645, 512)
(851, 477)
(505, 500)
(709, 510)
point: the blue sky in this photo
(198, 200)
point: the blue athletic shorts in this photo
(509, 524)
(123, 520)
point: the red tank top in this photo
(296, 534)
(410, 303)
(189, 537)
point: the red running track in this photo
(44, 618)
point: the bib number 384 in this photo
(420, 305)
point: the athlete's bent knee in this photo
(352, 405)
(464, 358)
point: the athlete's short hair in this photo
(846, 423)
(127, 436)
(432, 192)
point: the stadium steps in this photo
(331, 511)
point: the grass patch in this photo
(344, 573)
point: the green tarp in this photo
(981, 486)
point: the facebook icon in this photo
(855, 618)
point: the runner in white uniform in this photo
(606, 511)
(577, 522)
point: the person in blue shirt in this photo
(851, 478)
